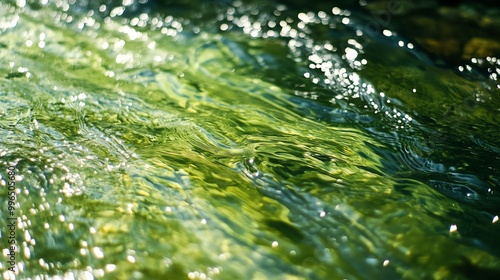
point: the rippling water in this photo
(243, 140)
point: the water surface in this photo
(248, 140)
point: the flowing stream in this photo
(245, 140)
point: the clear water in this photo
(242, 140)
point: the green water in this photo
(243, 140)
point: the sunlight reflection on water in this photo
(239, 140)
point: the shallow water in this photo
(244, 140)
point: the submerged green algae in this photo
(194, 149)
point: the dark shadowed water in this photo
(249, 139)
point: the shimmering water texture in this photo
(231, 140)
